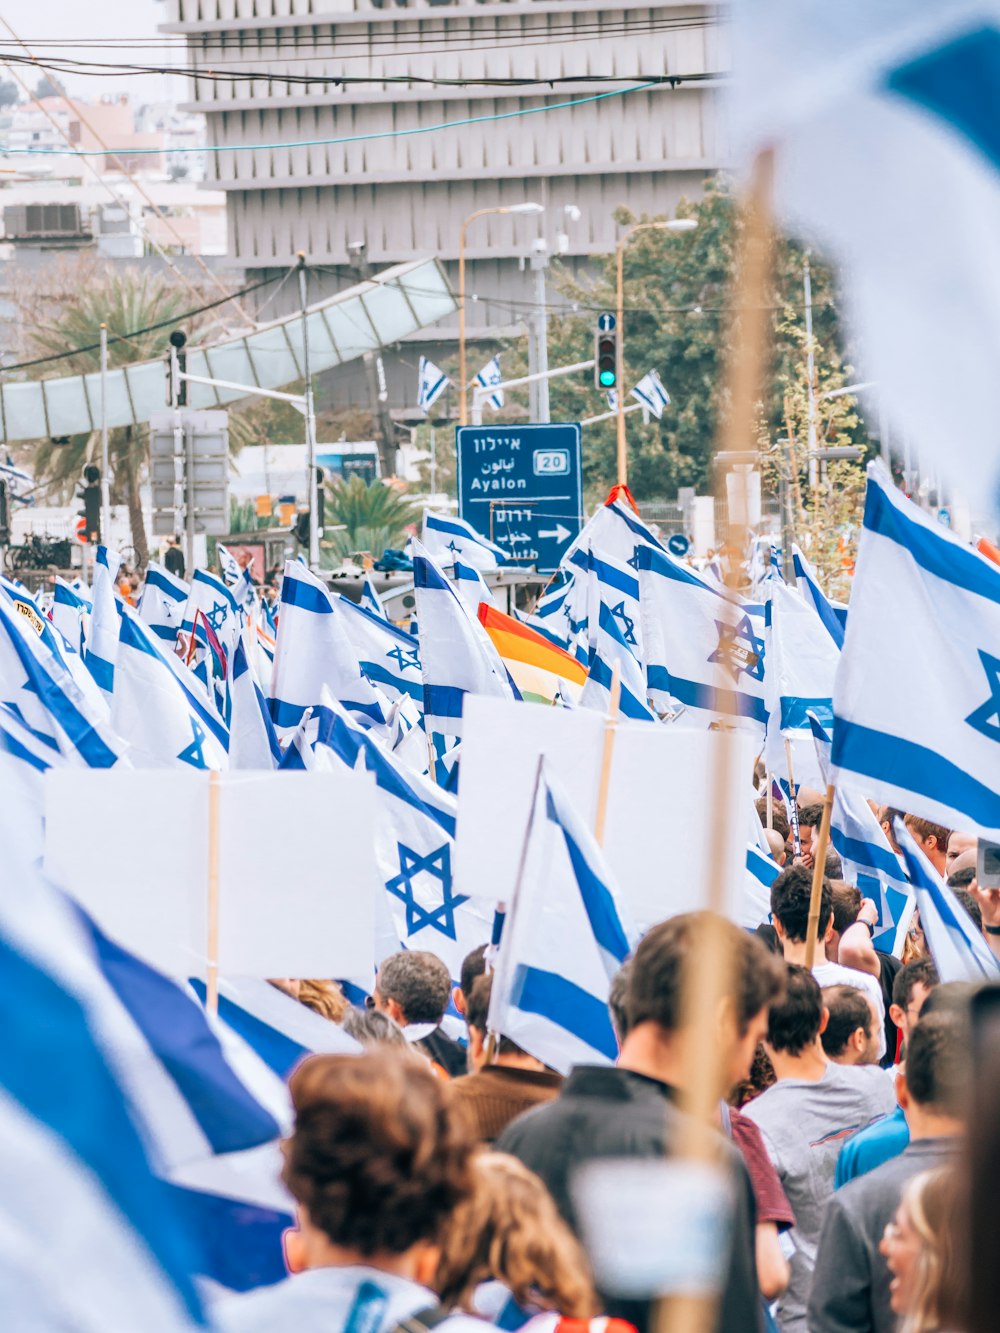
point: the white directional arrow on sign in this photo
(559, 533)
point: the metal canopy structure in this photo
(362, 319)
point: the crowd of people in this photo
(435, 1174)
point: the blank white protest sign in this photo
(297, 870)
(663, 813)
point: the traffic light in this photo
(605, 359)
(92, 502)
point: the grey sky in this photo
(66, 21)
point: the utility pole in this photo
(539, 330)
(810, 374)
(313, 491)
(105, 480)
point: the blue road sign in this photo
(522, 487)
(605, 323)
(678, 544)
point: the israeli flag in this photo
(651, 394)
(612, 397)
(83, 1150)
(431, 384)
(866, 855)
(370, 599)
(57, 644)
(209, 603)
(70, 614)
(917, 699)
(448, 538)
(102, 644)
(456, 655)
(959, 951)
(31, 755)
(614, 532)
(874, 166)
(608, 648)
(552, 616)
(564, 938)
(252, 742)
(37, 687)
(802, 662)
(605, 581)
(163, 602)
(414, 848)
(388, 656)
(228, 564)
(755, 902)
(703, 649)
(488, 377)
(162, 719)
(833, 618)
(314, 650)
(471, 586)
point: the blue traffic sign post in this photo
(522, 487)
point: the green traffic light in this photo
(607, 378)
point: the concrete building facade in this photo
(380, 200)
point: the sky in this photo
(67, 21)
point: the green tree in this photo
(10, 94)
(124, 300)
(373, 517)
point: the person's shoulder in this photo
(531, 1126)
(264, 1308)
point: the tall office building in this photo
(397, 185)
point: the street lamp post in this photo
(463, 401)
(675, 224)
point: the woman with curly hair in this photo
(506, 1243)
(378, 1161)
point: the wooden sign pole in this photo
(819, 861)
(610, 728)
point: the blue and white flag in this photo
(651, 393)
(449, 538)
(163, 719)
(608, 648)
(917, 698)
(612, 397)
(615, 531)
(37, 686)
(866, 855)
(31, 756)
(564, 938)
(801, 666)
(314, 650)
(490, 376)
(883, 135)
(210, 602)
(388, 656)
(414, 848)
(703, 649)
(553, 616)
(432, 383)
(163, 602)
(471, 586)
(239, 580)
(63, 649)
(102, 641)
(370, 599)
(755, 902)
(959, 951)
(456, 655)
(833, 618)
(252, 742)
(70, 614)
(603, 580)
(116, 1253)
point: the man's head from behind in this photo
(851, 1033)
(659, 971)
(790, 894)
(931, 838)
(912, 985)
(796, 1021)
(938, 1077)
(413, 987)
(473, 966)
(477, 1015)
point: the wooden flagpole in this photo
(212, 980)
(709, 967)
(819, 861)
(610, 729)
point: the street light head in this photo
(525, 208)
(682, 224)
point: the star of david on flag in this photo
(436, 865)
(739, 649)
(986, 718)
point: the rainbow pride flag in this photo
(539, 669)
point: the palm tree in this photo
(374, 517)
(124, 300)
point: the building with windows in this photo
(395, 184)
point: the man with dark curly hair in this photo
(378, 1161)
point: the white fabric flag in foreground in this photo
(564, 939)
(917, 698)
(959, 951)
(886, 139)
(449, 538)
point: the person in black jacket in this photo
(173, 558)
(630, 1111)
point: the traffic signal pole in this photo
(105, 479)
